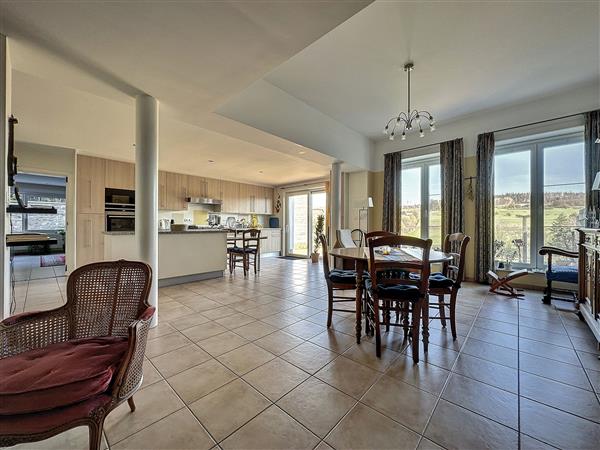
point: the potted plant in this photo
(314, 256)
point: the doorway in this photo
(303, 211)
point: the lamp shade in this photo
(596, 185)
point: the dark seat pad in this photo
(395, 291)
(567, 274)
(59, 374)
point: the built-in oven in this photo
(119, 208)
(120, 221)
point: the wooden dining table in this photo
(360, 257)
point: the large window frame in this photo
(536, 147)
(424, 163)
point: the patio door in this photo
(303, 210)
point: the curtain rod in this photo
(496, 131)
(538, 122)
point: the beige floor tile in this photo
(161, 329)
(589, 360)
(255, 330)
(200, 380)
(573, 400)
(189, 321)
(364, 353)
(183, 358)
(235, 320)
(177, 431)
(279, 342)
(454, 427)
(280, 320)
(348, 376)
(557, 428)
(426, 444)
(151, 375)
(497, 375)
(220, 312)
(246, 358)
(365, 428)
(316, 405)
(176, 312)
(272, 429)
(276, 378)
(73, 439)
(495, 353)
(402, 402)
(228, 408)
(555, 370)
(529, 443)
(334, 341)
(204, 331)
(304, 329)
(222, 343)
(199, 303)
(495, 337)
(164, 344)
(549, 351)
(152, 404)
(425, 376)
(491, 402)
(309, 357)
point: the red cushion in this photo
(59, 374)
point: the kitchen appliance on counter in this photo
(164, 225)
(230, 222)
(214, 220)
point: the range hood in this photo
(204, 203)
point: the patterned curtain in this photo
(391, 191)
(484, 206)
(592, 157)
(453, 210)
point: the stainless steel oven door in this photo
(120, 222)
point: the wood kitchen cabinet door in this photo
(176, 191)
(245, 199)
(90, 238)
(90, 184)
(213, 188)
(231, 196)
(268, 200)
(162, 189)
(196, 186)
(120, 175)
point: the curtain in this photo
(453, 211)
(484, 206)
(592, 158)
(391, 191)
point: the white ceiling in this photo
(469, 56)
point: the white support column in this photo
(336, 199)
(5, 110)
(146, 188)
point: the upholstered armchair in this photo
(565, 274)
(71, 366)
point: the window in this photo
(421, 213)
(40, 222)
(539, 197)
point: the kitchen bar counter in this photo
(183, 256)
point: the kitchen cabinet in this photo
(176, 191)
(213, 188)
(119, 175)
(272, 243)
(230, 197)
(589, 278)
(196, 186)
(162, 189)
(90, 238)
(90, 184)
(268, 193)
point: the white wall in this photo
(5, 109)
(576, 100)
(48, 160)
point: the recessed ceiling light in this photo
(211, 160)
(260, 171)
(301, 152)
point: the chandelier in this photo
(410, 119)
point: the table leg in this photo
(360, 267)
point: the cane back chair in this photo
(106, 300)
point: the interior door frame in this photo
(310, 244)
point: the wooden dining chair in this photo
(358, 237)
(448, 281)
(337, 280)
(377, 234)
(390, 289)
(248, 253)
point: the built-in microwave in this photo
(119, 200)
(120, 221)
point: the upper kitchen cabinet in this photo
(230, 196)
(176, 191)
(197, 186)
(268, 198)
(213, 188)
(120, 175)
(162, 189)
(90, 184)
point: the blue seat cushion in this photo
(344, 276)
(241, 250)
(405, 292)
(393, 273)
(436, 280)
(566, 274)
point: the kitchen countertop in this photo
(206, 230)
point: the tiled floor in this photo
(248, 364)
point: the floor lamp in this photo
(365, 208)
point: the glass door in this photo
(303, 211)
(298, 241)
